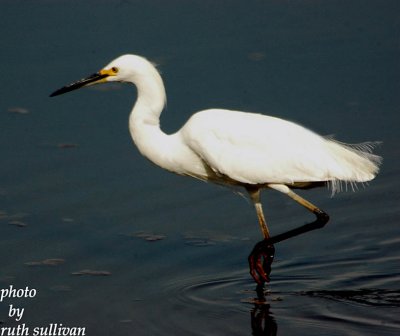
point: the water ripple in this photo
(212, 292)
(231, 302)
(368, 297)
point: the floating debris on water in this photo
(18, 110)
(208, 238)
(16, 216)
(256, 56)
(137, 299)
(17, 223)
(148, 236)
(46, 262)
(368, 297)
(199, 242)
(92, 272)
(125, 321)
(14, 219)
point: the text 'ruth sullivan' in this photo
(17, 313)
(53, 329)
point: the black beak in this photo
(80, 83)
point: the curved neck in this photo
(151, 96)
(167, 151)
(144, 120)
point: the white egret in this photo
(235, 148)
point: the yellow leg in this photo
(255, 197)
(302, 201)
(261, 257)
(308, 205)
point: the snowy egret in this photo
(234, 148)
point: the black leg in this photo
(260, 261)
(320, 222)
(262, 255)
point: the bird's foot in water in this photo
(260, 261)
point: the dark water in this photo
(78, 205)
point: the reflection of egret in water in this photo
(262, 321)
(230, 298)
(235, 148)
(231, 304)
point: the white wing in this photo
(254, 148)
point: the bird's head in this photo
(123, 69)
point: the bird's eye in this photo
(114, 70)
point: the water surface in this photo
(121, 247)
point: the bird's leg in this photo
(260, 261)
(261, 258)
(255, 197)
(321, 220)
(260, 249)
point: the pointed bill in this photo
(98, 77)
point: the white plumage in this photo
(238, 147)
(257, 149)
(235, 148)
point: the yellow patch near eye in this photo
(109, 72)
